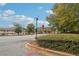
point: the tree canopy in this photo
(65, 17)
(30, 28)
(18, 28)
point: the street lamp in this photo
(36, 27)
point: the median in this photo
(45, 51)
(68, 43)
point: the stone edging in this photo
(46, 51)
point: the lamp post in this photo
(36, 27)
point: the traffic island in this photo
(44, 51)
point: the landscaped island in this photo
(61, 42)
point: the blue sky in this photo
(24, 13)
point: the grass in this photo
(65, 37)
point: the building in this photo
(10, 31)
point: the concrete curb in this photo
(45, 51)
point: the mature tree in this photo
(30, 28)
(18, 28)
(65, 18)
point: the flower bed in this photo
(62, 42)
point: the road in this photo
(14, 45)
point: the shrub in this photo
(62, 42)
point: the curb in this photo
(46, 51)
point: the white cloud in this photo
(0, 11)
(40, 22)
(30, 20)
(2, 4)
(46, 23)
(40, 7)
(19, 17)
(11, 25)
(49, 11)
(22, 18)
(10, 15)
(8, 12)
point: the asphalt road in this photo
(14, 45)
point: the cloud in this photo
(0, 11)
(23, 18)
(8, 12)
(49, 11)
(19, 18)
(11, 25)
(30, 20)
(2, 4)
(46, 23)
(10, 16)
(43, 22)
(40, 7)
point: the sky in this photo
(24, 13)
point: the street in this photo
(14, 45)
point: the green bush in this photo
(62, 42)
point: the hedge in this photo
(62, 42)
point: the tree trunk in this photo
(18, 34)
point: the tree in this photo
(30, 28)
(66, 17)
(18, 28)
